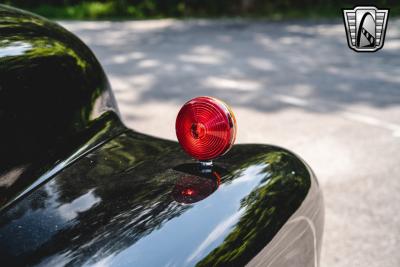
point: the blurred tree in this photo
(93, 9)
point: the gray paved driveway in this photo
(293, 84)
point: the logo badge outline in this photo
(359, 38)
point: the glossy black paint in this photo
(54, 100)
(198, 183)
(79, 189)
(117, 206)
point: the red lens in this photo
(206, 128)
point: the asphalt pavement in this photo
(293, 84)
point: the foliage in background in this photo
(142, 9)
(103, 9)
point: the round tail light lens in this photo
(206, 128)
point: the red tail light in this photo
(206, 128)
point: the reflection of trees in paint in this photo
(265, 211)
(125, 211)
(53, 97)
(133, 199)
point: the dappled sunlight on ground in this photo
(294, 84)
